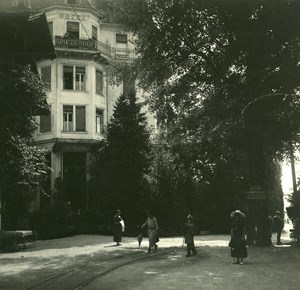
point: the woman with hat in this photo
(238, 242)
(118, 227)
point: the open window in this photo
(74, 118)
(74, 78)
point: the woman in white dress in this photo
(152, 230)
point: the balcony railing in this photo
(94, 45)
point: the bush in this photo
(85, 223)
(54, 222)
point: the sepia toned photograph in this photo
(149, 144)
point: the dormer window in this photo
(72, 30)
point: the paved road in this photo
(93, 262)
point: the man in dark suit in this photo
(278, 226)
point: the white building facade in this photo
(79, 95)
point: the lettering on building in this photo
(68, 16)
(75, 43)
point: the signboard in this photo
(256, 193)
(88, 44)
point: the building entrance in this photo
(74, 179)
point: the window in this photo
(73, 29)
(46, 76)
(99, 82)
(45, 123)
(99, 121)
(68, 118)
(121, 38)
(74, 118)
(50, 25)
(74, 78)
(94, 32)
(80, 118)
(68, 78)
(121, 44)
(80, 79)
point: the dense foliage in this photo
(223, 78)
(121, 164)
(22, 165)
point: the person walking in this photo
(238, 242)
(118, 227)
(152, 231)
(189, 233)
(278, 226)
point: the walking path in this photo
(266, 268)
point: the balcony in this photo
(93, 45)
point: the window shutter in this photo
(80, 118)
(45, 123)
(46, 76)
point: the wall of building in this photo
(60, 142)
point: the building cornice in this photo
(68, 8)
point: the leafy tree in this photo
(121, 163)
(223, 78)
(171, 184)
(22, 165)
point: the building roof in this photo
(25, 36)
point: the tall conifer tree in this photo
(122, 161)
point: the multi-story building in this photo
(80, 97)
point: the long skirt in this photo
(239, 249)
(117, 233)
(152, 237)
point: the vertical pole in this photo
(292, 159)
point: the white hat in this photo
(237, 212)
